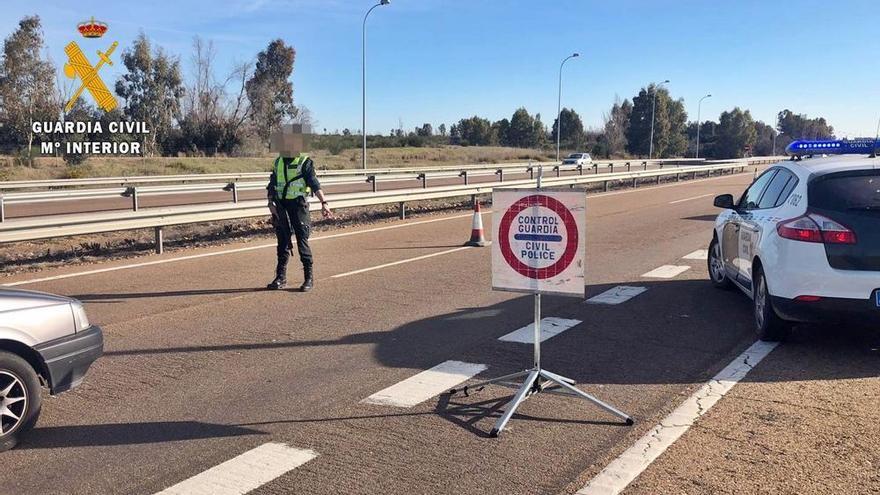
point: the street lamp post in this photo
(698, 122)
(559, 104)
(364, 82)
(775, 134)
(653, 108)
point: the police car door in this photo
(749, 228)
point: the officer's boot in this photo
(308, 280)
(280, 281)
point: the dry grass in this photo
(55, 168)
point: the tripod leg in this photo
(520, 396)
(564, 382)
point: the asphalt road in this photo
(202, 366)
(24, 210)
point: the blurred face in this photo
(289, 141)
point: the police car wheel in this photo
(768, 325)
(716, 267)
(20, 399)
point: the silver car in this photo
(44, 339)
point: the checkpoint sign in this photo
(539, 241)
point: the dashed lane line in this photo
(399, 262)
(550, 327)
(421, 387)
(667, 271)
(244, 473)
(699, 254)
(617, 295)
(629, 465)
(691, 199)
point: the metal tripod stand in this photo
(537, 380)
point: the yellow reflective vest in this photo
(290, 183)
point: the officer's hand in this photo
(272, 209)
(325, 210)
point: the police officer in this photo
(289, 185)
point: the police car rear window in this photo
(846, 191)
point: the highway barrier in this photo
(29, 229)
(136, 187)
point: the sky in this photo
(438, 61)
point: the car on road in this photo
(44, 340)
(803, 242)
(578, 159)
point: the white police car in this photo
(803, 242)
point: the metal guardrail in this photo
(338, 177)
(17, 230)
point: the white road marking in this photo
(666, 271)
(691, 199)
(228, 251)
(699, 254)
(244, 473)
(393, 263)
(617, 295)
(550, 327)
(629, 465)
(427, 384)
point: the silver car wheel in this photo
(760, 301)
(715, 265)
(13, 402)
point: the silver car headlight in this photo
(81, 320)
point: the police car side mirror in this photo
(724, 201)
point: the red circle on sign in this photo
(571, 243)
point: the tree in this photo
(764, 139)
(442, 129)
(526, 131)
(269, 89)
(615, 128)
(501, 129)
(426, 130)
(670, 119)
(474, 131)
(572, 133)
(27, 85)
(799, 126)
(736, 132)
(152, 88)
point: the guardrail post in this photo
(2, 209)
(605, 186)
(473, 200)
(134, 198)
(658, 179)
(628, 167)
(580, 169)
(424, 178)
(644, 165)
(372, 179)
(695, 175)
(500, 174)
(556, 169)
(160, 240)
(635, 182)
(402, 210)
(463, 173)
(595, 168)
(234, 187)
(531, 171)
(677, 177)
(611, 166)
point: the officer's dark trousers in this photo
(293, 218)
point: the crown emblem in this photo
(92, 28)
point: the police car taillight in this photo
(813, 227)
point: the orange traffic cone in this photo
(477, 237)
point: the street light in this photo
(698, 122)
(364, 82)
(775, 134)
(559, 103)
(654, 107)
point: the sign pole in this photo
(538, 297)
